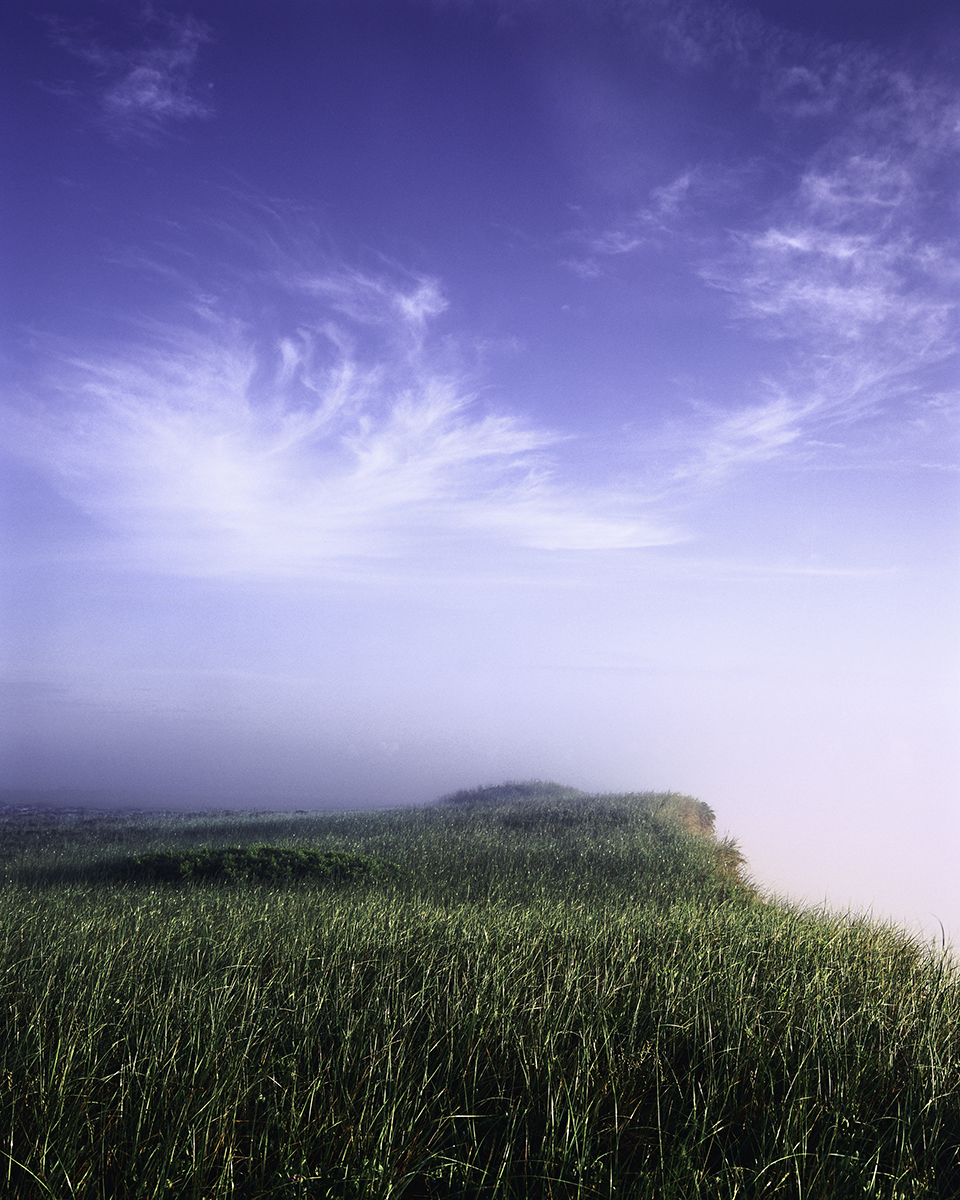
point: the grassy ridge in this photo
(552, 997)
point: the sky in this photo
(399, 396)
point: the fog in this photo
(404, 400)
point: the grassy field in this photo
(533, 994)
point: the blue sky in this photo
(400, 396)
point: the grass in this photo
(277, 865)
(551, 995)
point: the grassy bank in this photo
(546, 997)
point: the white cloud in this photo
(851, 265)
(201, 455)
(552, 522)
(141, 88)
(693, 34)
(854, 277)
(746, 436)
(804, 281)
(652, 224)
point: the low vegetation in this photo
(249, 864)
(520, 991)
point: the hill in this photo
(548, 994)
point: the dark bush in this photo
(252, 864)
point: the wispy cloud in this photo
(851, 265)
(657, 222)
(745, 437)
(141, 87)
(210, 452)
(855, 281)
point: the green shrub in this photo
(250, 864)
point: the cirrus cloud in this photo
(847, 259)
(201, 451)
(141, 87)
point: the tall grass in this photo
(546, 1001)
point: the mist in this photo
(397, 405)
